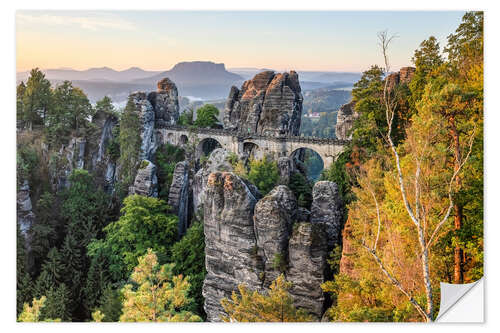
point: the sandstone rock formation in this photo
(326, 210)
(147, 117)
(345, 120)
(273, 218)
(165, 102)
(254, 245)
(268, 104)
(307, 259)
(70, 156)
(404, 76)
(146, 181)
(178, 196)
(286, 168)
(230, 245)
(154, 109)
(100, 163)
(25, 215)
(217, 161)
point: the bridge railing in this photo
(246, 136)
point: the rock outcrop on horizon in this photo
(268, 104)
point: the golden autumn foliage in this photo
(33, 313)
(160, 296)
(275, 306)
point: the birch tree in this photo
(425, 186)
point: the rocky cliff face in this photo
(268, 104)
(155, 109)
(345, 120)
(326, 210)
(70, 156)
(100, 162)
(147, 117)
(404, 76)
(273, 219)
(307, 257)
(146, 181)
(178, 196)
(217, 161)
(25, 215)
(252, 241)
(230, 244)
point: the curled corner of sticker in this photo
(462, 303)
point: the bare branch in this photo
(396, 283)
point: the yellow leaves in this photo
(275, 306)
(98, 316)
(32, 313)
(160, 296)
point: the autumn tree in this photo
(160, 296)
(275, 306)
(33, 313)
(422, 167)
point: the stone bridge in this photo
(257, 145)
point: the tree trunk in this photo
(458, 273)
(426, 275)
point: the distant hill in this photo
(92, 74)
(203, 79)
(199, 79)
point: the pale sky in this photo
(157, 40)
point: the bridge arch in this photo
(207, 146)
(183, 139)
(311, 160)
(252, 150)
